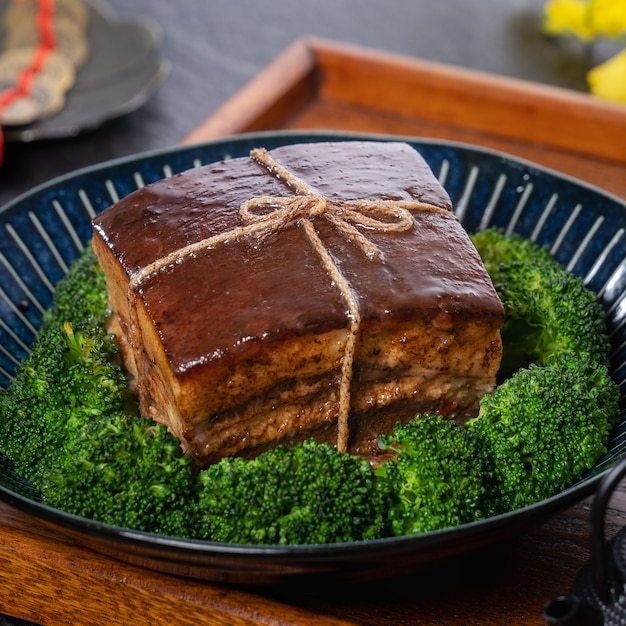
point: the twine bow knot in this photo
(276, 212)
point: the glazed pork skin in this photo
(239, 346)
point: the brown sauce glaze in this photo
(225, 301)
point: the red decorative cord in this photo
(45, 25)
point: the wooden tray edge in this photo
(303, 72)
(283, 85)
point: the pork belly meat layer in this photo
(239, 345)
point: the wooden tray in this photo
(319, 84)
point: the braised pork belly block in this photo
(319, 290)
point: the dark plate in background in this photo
(122, 71)
(44, 230)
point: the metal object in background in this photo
(598, 595)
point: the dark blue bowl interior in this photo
(44, 230)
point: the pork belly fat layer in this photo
(239, 344)
(400, 370)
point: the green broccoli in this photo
(541, 429)
(437, 477)
(68, 376)
(125, 471)
(68, 422)
(496, 248)
(548, 310)
(308, 493)
(548, 420)
(68, 380)
(81, 296)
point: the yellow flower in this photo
(568, 17)
(608, 80)
(588, 20)
(608, 17)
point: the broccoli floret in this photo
(27, 403)
(69, 424)
(309, 493)
(548, 420)
(548, 310)
(68, 377)
(544, 427)
(436, 477)
(68, 380)
(81, 296)
(496, 248)
(125, 471)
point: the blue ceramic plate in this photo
(45, 229)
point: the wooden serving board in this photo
(50, 580)
(318, 84)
